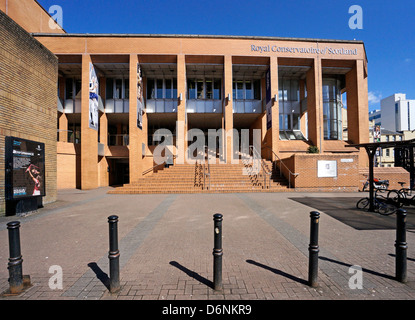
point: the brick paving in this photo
(166, 243)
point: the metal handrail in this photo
(282, 163)
(204, 168)
(264, 169)
(152, 168)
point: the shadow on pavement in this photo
(344, 209)
(192, 274)
(279, 272)
(363, 269)
(101, 275)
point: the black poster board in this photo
(25, 169)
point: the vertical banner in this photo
(376, 138)
(268, 101)
(139, 98)
(93, 98)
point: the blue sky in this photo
(388, 27)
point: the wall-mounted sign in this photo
(303, 50)
(25, 168)
(326, 168)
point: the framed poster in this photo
(25, 168)
(326, 168)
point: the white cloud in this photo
(374, 97)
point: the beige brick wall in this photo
(347, 179)
(28, 98)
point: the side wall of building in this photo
(28, 98)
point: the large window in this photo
(161, 89)
(246, 89)
(204, 89)
(332, 109)
(117, 88)
(289, 109)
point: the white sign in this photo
(346, 160)
(326, 169)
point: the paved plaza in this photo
(166, 243)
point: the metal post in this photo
(401, 246)
(217, 252)
(15, 260)
(313, 249)
(114, 254)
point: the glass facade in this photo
(289, 109)
(332, 109)
(161, 95)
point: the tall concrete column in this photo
(228, 109)
(357, 108)
(89, 136)
(315, 105)
(181, 129)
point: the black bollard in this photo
(114, 254)
(401, 246)
(217, 252)
(15, 264)
(313, 249)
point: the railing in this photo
(157, 165)
(257, 156)
(290, 173)
(152, 168)
(204, 168)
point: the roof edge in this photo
(197, 36)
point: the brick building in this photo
(284, 92)
(27, 95)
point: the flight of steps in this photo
(189, 178)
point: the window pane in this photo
(174, 92)
(217, 89)
(78, 86)
(159, 94)
(234, 90)
(168, 89)
(109, 88)
(257, 89)
(294, 90)
(239, 89)
(126, 88)
(209, 89)
(150, 89)
(68, 88)
(249, 93)
(200, 90)
(191, 87)
(118, 88)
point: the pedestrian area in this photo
(166, 243)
